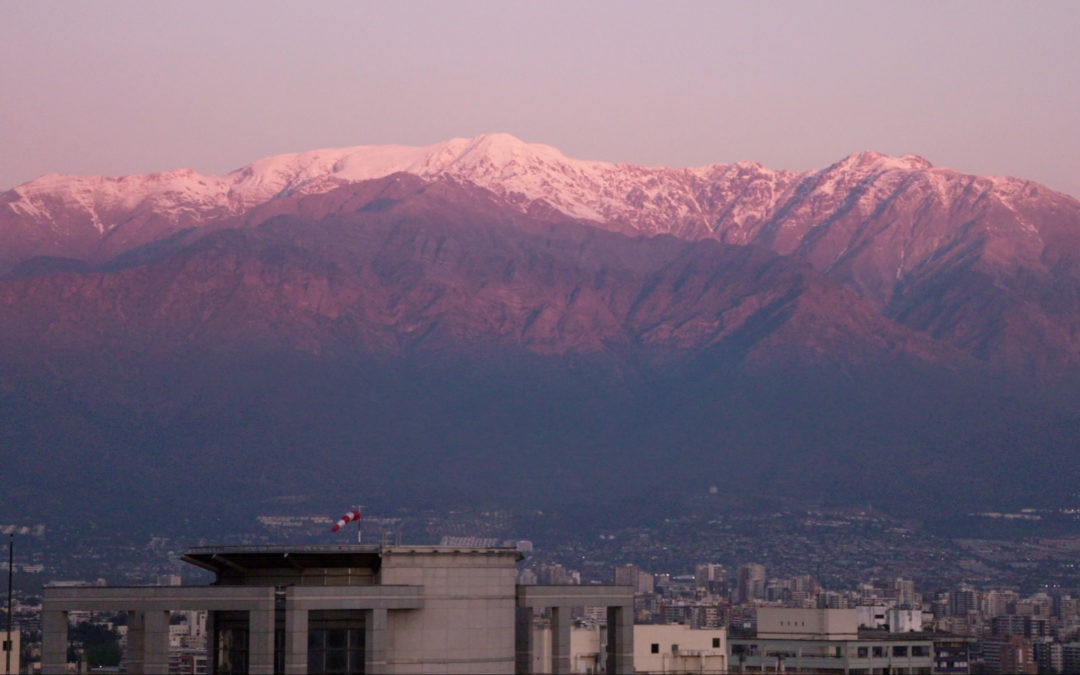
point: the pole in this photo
(8, 644)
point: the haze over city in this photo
(118, 88)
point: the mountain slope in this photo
(419, 342)
(896, 231)
(397, 264)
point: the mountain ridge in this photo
(452, 343)
(689, 202)
(897, 231)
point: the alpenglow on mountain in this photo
(483, 319)
(985, 264)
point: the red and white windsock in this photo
(347, 518)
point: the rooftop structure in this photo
(827, 641)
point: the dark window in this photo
(655, 648)
(920, 650)
(336, 643)
(899, 650)
(231, 638)
(716, 643)
(674, 649)
(879, 651)
(863, 652)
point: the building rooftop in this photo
(225, 560)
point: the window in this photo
(899, 650)
(920, 650)
(863, 652)
(231, 636)
(879, 652)
(655, 648)
(716, 643)
(336, 642)
(674, 649)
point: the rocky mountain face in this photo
(987, 265)
(485, 315)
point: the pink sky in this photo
(132, 87)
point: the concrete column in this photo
(211, 643)
(620, 643)
(560, 640)
(523, 643)
(155, 647)
(296, 638)
(54, 640)
(136, 642)
(375, 641)
(261, 641)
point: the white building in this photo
(827, 641)
(660, 649)
(679, 649)
(888, 616)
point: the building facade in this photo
(827, 641)
(350, 609)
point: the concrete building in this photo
(658, 649)
(751, 583)
(890, 617)
(11, 652)
(827, 641)
(679, 649)
(952, 656)
(1070, 657)
(587, 649)
(351, 609)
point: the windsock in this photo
(347, 518)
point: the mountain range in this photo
(490, 316)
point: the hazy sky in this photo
(130, 87)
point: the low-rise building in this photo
(351, 609)
(679, 649)
(827, 641)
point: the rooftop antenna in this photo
(351, 515)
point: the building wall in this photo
(807, 624)
(15, 651)
(905, 620)
(679, 649)
(586, 650)
(467, 621)
(832, 656)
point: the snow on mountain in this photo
(989, 264)
(649, 200)
(831, 218)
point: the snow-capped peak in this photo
(876, 161)
(727, 201)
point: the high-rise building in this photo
(627, 575)
(751, 583)
(707, 572)
(905, 593)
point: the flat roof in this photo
(224, 559)
(233, 559)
